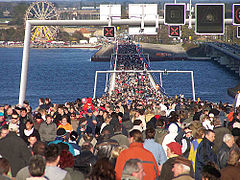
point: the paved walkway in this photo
(165, 47)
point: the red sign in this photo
(109, 32)
(174, 31)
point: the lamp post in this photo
(190, 15)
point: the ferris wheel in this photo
(42, 10)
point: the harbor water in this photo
(67, 74)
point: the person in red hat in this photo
(173, 150)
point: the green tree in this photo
(63, 36)
(77, 35)
(18, 34)
(3, 35)
(187, 32)
(19, 14)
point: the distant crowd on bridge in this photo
(134, 133)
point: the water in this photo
(211, 79)
(67, 74)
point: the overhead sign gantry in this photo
(141, 22)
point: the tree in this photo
(18, 34)
(77, 35)
(187, 32)
(63, 36)
(19, 14)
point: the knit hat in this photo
(182, 160)
(61, 132)
(175, 148)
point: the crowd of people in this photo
(134, 132)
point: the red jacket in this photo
(137, 151)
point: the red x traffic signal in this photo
(174, 31)
(109, 32)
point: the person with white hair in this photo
(181, 169)
(223, 153)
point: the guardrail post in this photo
(161, 84)
(193, 87)
(25, 60)
(95, 85)
(106, 83)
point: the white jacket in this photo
(170, 137)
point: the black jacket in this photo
(222, 155)
(180, 138)
(84, 162)
(35, 133)
(15, 150)
(204, 155)
(104, 147)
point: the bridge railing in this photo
(143, 71)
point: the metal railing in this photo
(143, 71)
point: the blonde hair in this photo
(117, 150)
(197, 129)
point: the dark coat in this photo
(15, 150)
(219, 133)
(166, 172)
(223, 155)
(121, 139)
(84, 162)
(204, 155)
(75, 174)
(48, 131)
(90, 126)
(127, 124)
(183, 177)
(230, 173)
(160, 135)
(35, 133)
(180, 138)
(104, 148)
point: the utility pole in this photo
(190, 15)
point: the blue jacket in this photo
(204, 155)
(61, 140)
(156, 149)
(76, 147)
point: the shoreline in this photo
(87, 46)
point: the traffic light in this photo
(174, 31)
(109, 32)
(210, 19)
(174, 14)
(236, 14)
(238, 32)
